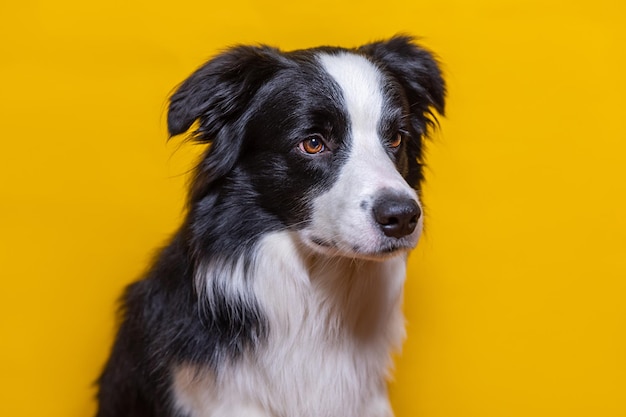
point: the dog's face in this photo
(325, 142)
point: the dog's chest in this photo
(332, 328)
(306, 383)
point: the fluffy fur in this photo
(280, 294)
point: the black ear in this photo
(415, 68)
(218, 92)
(217, 95)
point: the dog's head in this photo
(325, 142)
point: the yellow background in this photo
(516, 297)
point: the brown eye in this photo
(396, 142)
(312, 145)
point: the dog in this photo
(280, 294)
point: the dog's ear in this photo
(419, 75)
(219, 91)
(217, 96)
(415, 68)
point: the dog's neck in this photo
(349, 296)
(293, 285)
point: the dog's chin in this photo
(379, 253)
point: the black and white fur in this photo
(280, 294)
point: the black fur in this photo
(253, 106)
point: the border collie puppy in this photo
(280, 295)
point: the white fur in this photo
(333, 320)
(334, 323)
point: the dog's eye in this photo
(396, 141)
(312, 145)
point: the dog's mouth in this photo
(384, 251)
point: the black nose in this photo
(397, 216)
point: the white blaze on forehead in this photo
(369, 165)
(359, 80)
